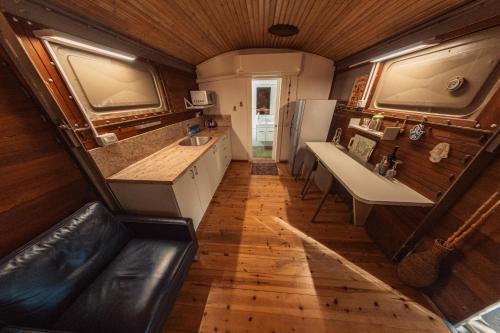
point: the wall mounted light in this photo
(404, 50)
(78, 43)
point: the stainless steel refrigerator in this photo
(311, 122)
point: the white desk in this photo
(366, 187)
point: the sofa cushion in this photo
(39, 280)
(131, 291)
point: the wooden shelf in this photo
(378, 134)
(199, 107)
(190, 106)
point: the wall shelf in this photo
(199, 107)
(378, 134)
(190, 106)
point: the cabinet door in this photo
(204, 171)
(270, 134)
(221, 163)
(218, 162)
(186, 194)
(229, 155)
(261, 134)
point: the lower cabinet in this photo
(186, 192)
(189, 196)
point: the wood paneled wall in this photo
(389, 225)
(176, 85)
(40, 182)
(470, 278)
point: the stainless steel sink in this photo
(195, 141)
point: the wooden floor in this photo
(263, 267)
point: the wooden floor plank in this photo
(264, 267)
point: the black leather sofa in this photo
(97, 272)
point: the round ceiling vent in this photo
(283, 30)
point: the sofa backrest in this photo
(39, 280)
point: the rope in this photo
(470, 225)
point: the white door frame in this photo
(277, 118)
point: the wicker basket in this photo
(422, 269)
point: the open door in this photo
(265, 119)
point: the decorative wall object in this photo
(357, 91)
(440, 151)
(417, 132)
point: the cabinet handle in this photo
(192, 173)
(195, 170)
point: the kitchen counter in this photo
(169, 163)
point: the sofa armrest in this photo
(177, 228)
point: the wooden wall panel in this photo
(175, 84)
(470, 278)
(40, 182)
(390, 226)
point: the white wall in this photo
(306, 75)
(233, 99)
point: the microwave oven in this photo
(202, 97)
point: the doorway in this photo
(265, 106)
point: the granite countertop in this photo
(169, 163)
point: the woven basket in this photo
(422, 269)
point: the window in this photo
(105, 84)
(454, 78)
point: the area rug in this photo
(262, 169)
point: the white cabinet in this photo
(186, 194)
(265, 133)
(261, 134)
(212, 168)
(270, 134)
(204, 169)
(190, 194)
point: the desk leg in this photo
(330, 186)
(361, 211)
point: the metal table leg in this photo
(330, 186)
(307, 184)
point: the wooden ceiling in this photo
(196, 30)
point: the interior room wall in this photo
(305, 75)
(175, 83)
(41, 183)
(344, 81)
(468, 280)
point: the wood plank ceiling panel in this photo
(196, 30)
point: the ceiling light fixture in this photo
(71, 41)
(283, 30)
(404, 50)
